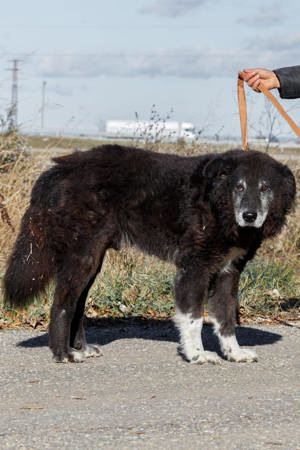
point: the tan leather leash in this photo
(243, 111)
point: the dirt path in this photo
(141, 395)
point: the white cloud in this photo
(197, 63)
(60, 90)
(172, 8)
(264, 17)
(280, 43)
(276, 51)
(182, 63)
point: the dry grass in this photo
(134, 284)
(286, 247)
(16, 180)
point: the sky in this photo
(113, 59)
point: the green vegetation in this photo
(134, 285)
(268, 288)
(52, 142)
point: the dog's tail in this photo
(31, 264)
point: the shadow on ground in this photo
(104, 331)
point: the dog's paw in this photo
(205, 357)
(60, 358)
(74, 356)
(242, 355)
(199, 357)
(78, 356)
(92, 350)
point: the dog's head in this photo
(256, 190)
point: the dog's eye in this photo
(264, 187)
(240, 187)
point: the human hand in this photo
(253, 77)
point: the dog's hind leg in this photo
(66, 319)
(77, 335)
(222, 312)
(191, 291)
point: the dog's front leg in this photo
(222, 311)
(190, 291)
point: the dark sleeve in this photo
(289, 78)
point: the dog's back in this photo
(138, 190)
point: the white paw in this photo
(58, 359)
(204, 357)
(75, 356)
(92, 350)
(242, 355)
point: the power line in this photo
(167, 54)
(43, 105)
(112, 27)
(13, 112)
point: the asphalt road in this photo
(141, 395)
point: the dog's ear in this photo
(219, 168)
(288, 189)
(283, 202)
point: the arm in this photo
(289, 79)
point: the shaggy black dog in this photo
(207, 214)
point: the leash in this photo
(243, 111)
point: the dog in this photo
(207, 214)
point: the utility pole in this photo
(43, 106)
(13, 113)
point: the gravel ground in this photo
(141, 395)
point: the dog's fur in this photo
(208, 214)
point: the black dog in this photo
(207, 214)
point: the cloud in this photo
(182, 63)
(172, 8)
(276, 51)
(265, 17)
(284, 43)
(64, 91)
(197, 63)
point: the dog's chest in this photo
(234, 254)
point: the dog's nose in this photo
(249, 216)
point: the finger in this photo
(253, 80)
(248, 75)
(256, 85)
(253, 69)
(250, 72)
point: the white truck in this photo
(148, 130)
